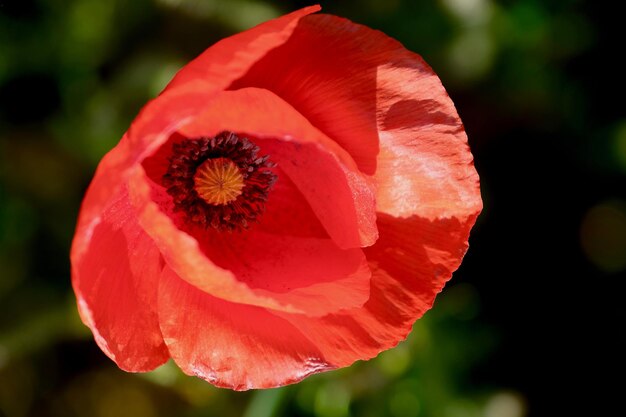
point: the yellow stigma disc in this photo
(218, 181)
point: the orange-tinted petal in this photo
(410, 264)
(339, 194)
(232, 345)
(116, 280)
(231, 57)
(425, 167)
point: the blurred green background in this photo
(521, 330)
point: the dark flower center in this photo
(219, 182)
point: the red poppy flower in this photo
(291, 203)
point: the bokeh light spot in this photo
(505, 404)
(332, 400)
(471, 54)
(620, 144)
(603, 236)
(469, 12)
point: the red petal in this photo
(232, 345)
(368, 93)
(182, 252)
(244, 347)
(112, 258)
(231, 57)
(341, 198)
(287, 212)
(339, 194)
(328, 72)
(116, 279)
(427, 201)
(328, 68)
(410, 264)
(154, 124)
(345, 206)
(286, 273)
(313, 275)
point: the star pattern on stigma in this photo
(220, 181)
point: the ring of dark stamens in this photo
(189, 154)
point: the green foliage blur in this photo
(528, 83)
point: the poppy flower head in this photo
(219, 182)
(358, 226)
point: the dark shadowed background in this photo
(532, 324)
